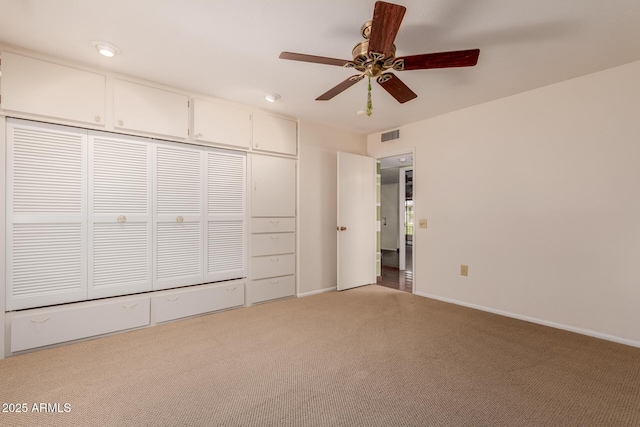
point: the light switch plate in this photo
(464, 270)
(422, 223)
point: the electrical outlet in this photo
(422, 223)
(464, 270)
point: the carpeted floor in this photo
(370, 356)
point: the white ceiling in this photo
(229, 49)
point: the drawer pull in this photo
(274, 282)
(122, 219)
(173, 299)
(275, 259)
(40, 320)
(231, 289)
(275, 237)
(130, 306)
(179, 219)
(275, 222)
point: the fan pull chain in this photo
(369, 103)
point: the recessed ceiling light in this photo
(272, 97)
(106, 49)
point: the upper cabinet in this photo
(147, 109)
(47, 89)
(218, 123)
(274, 134)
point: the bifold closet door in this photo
(120, 207)
(46, 214)
(179, 215)
(226, 209)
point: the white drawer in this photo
(46, 326)
(275, 287)
(272, 266)
(273, 243)
(197, 300)
(272, 225)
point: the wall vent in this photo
(390, 136)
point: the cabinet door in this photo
(120, 233)
(274, 134)
(148, 109)
(43, 88)
(225, 202)
(46, 214)
(178, 220)
(273, 186)
(221, 123)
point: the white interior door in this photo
(356, 221)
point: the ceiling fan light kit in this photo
(375, 56)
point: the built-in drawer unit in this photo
(195, 300)
(46, 326)
(272, 288)
(273, 244)
(273, 225)
(273, 266)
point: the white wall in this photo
(318, 202)
(389, 210)
(539, 194)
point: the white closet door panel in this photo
(46, 169)
(46, 214)
(226, 183)
(148, 109)
(274, 134)
(120, 200)
(178, 254)
(43, 88)
(179, 180)
(46, 264)
(221, 123)
(179, 216)
(121, 176)
(225, 203)
(225, 250)
(273, 187)
(121, 256)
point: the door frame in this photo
(411, 152)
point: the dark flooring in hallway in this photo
(394, 278)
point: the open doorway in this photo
(396, 221)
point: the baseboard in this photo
(581, 331)
(319, 291)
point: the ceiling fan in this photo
(376, 54)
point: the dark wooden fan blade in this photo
(460, 58)
(340, 88)
(312, 58)
(396, 88)
(387, 18)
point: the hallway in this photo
(394, 278)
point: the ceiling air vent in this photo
(390, 136)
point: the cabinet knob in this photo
(98, 118)
(179, 219)
(120, 122)
(342, 228)
(122, 219)
(198, 135)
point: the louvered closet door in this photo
(120, 200)
(179, 215)
(225, 202)
(46, 214)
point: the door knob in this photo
(342, 228)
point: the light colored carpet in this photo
(370, 356)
